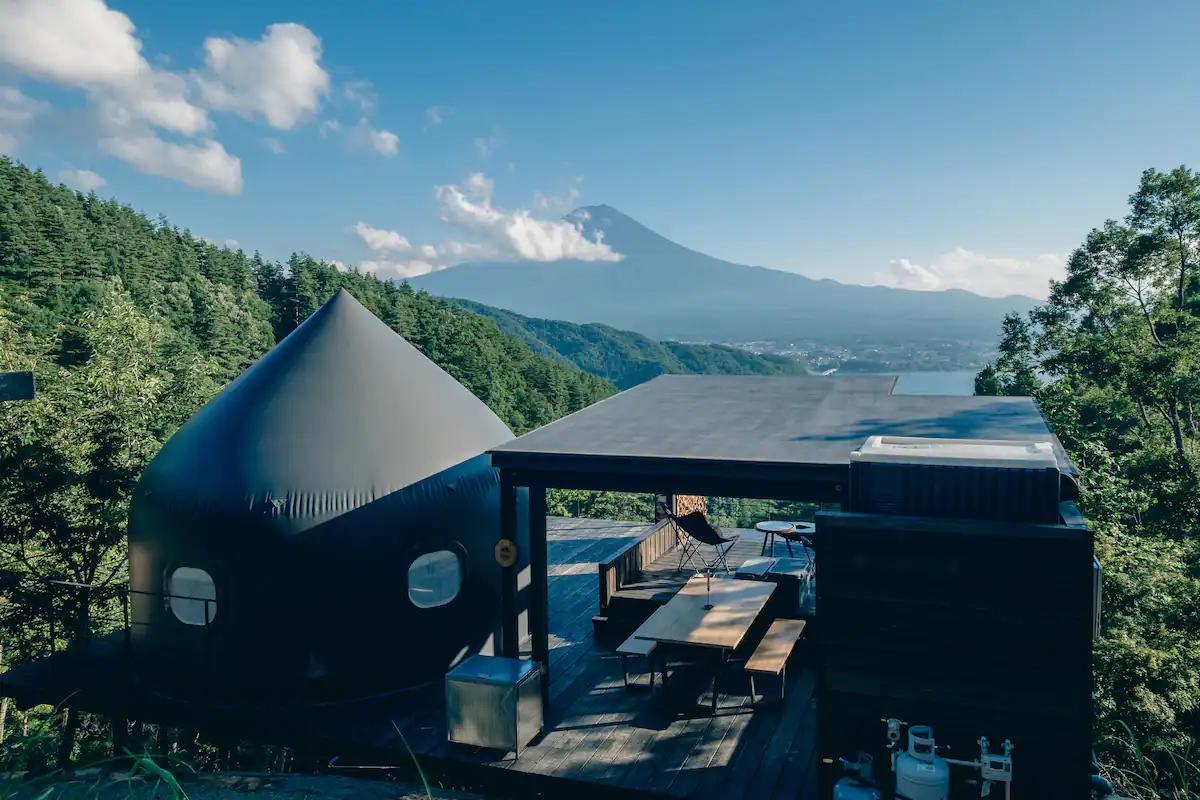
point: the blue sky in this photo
(927, 144)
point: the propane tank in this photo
(920, 773)
(857, 783)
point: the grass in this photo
(45, 786)
(416, 761)
(1141, 774)
(144, 774)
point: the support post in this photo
(539, 589)
(510, 643)
(120, 735)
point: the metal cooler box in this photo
(494, 702)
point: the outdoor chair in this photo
(699, 533)
(810, 550)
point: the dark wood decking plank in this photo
(619, 709)
(700, 760)
(799, 759)
(571, 687)
(601, 767)
(584, 732)
(668, 748)
(654, 753)
(774, 755)
(808, 789)
(698, 731)
(630, 747)
(740, 752)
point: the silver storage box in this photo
(494, 702)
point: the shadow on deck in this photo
(599, 735)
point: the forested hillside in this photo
(64, 255)
(131, 325)
(1120, 337)
(628, 358)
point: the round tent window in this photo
(434, 579)
(192, 596)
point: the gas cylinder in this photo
(850, 789)
(857, 783)
(920, 773)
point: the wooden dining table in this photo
(684, 620)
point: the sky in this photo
(929, 144)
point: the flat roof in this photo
(752, 427)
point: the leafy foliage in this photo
(628, 358)
(1112, 357)
(130, 326)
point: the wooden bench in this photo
(634, 646)
(771, 655)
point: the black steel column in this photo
(510, 643)
(539, 589)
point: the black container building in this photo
(974, 627)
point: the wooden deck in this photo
(662, 578)
(601, 733)
(599, 736)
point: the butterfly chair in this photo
(699, 532)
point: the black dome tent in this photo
(323, 528)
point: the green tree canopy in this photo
(1113, 357)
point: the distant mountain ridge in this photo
(628, 358)
(669, 292)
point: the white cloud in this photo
(17, 115)
(232, 244)
(552, 203)
(434, 116)
(381, 241)
(338, 265)
(975, 272)
(468, 251)
(517, 234)
(506, 234)
(86, 45)
(385, 142)
(73, 42)
(398, 270)
(329, 126)
(205, 165)
(480, 186)
(275, 146)
(487, 146)
(361, 93)
(363, 137)
(82, 180)
(278, 77)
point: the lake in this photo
(953, 383)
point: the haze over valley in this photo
(666, 291)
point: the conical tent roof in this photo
(340, 413)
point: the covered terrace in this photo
(771, 438)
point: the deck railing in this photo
(102, 618)
(626, 566)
